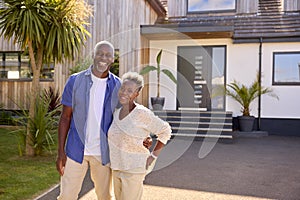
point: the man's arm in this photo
(63, 128)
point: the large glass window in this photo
(286, 68)
(211, 5)
(16, 65)
(218, 73)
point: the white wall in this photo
(288, 105)
(242, 65)
(168, 61)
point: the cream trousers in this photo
(128, 186)
(75, 172)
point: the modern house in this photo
(210, 43)
(205, 44)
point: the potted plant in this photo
(158, 102)
(245, 96)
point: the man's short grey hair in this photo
(104, 42)
(134, 77)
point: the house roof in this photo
(269, 24)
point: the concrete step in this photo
(198, 124)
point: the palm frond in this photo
(170, 75)
(246, 95)
(147, 69)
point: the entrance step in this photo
(198, 124)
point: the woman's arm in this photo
(154, 154)
(162, 130)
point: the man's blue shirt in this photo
(76, 95)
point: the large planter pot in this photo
(246, 123)
(157, 103)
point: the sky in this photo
(287, 67)
(205, 5)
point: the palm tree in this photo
(246, 95)
(51, 30)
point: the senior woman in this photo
(132, 123)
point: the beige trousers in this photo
(74, 174)
(128, 186)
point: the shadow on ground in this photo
(266, 167)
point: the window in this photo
(218, 76)
(211, 5)
(286, 68)
(16, 65)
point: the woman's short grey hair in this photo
(99, 44)
(134, 77)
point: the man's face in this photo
(103, 58)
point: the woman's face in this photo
(128, 92)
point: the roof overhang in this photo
(266, 39)
(189, 31)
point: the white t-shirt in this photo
(92, 138)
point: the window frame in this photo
(210, 11)
(273, 68)
(18, 55)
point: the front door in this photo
(200, 70)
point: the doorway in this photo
(201, 70)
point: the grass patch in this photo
(23, 177)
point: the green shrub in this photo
(115, 66)
(5, 116)
(54, 100)
(81, 65)
(43, 127)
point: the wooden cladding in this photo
(291, 5)
(16, 93)
(115, 21)
(177, 8)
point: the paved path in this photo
(250, 168)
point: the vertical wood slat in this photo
(291, 5)
(177, 8)
(144, 54)
(15, 94)
(8, 45)
(247, 6)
